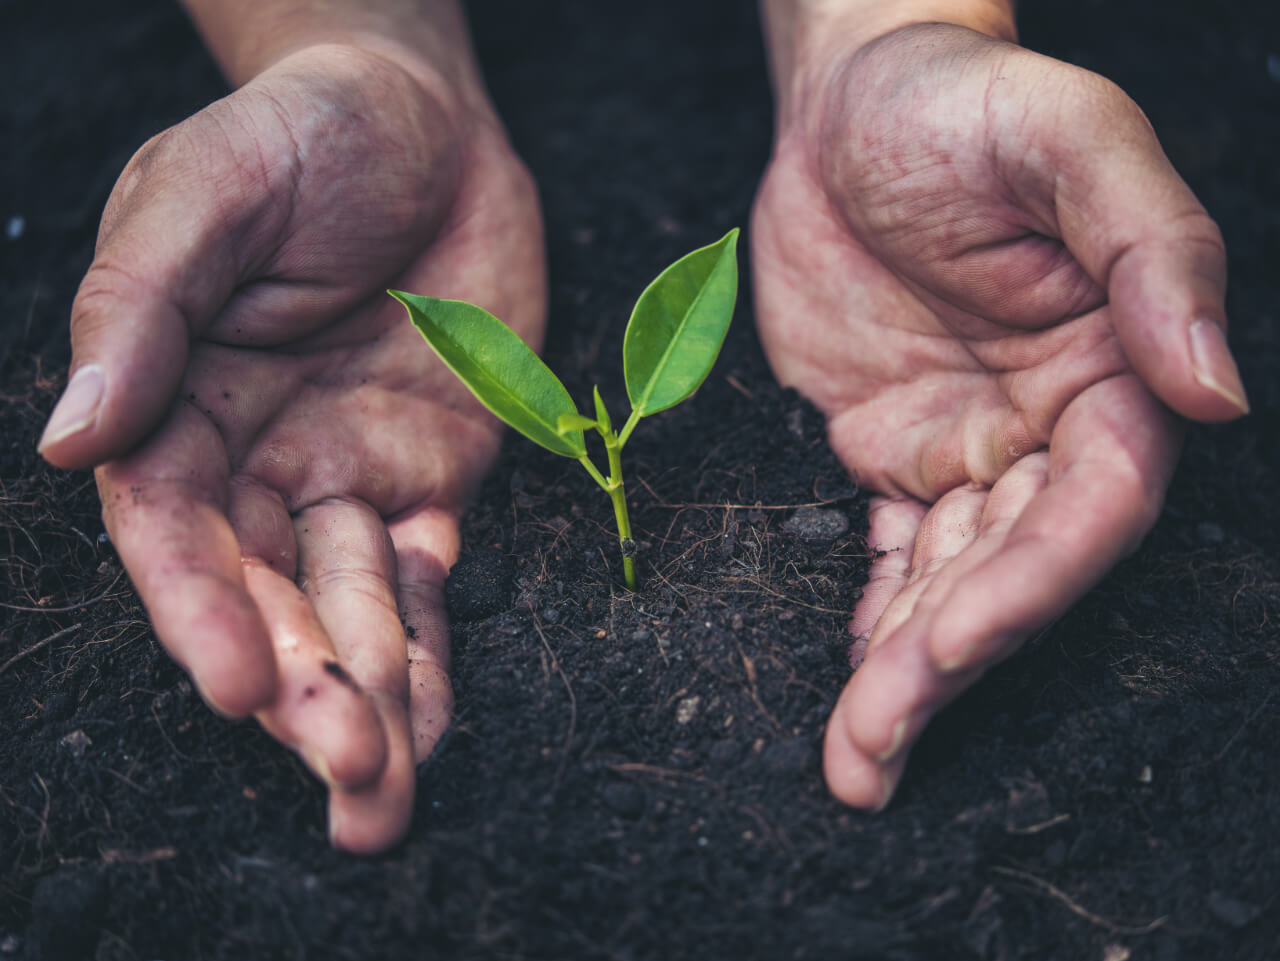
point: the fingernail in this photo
(960, 661)
(858, 651)
(335, 828)
(213, 705)
(1213, 366)
(78, 406)
(319, 766)
(895, 741)
(888, 784)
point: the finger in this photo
(892, 526)
(347, 569)
(426, 543)
(950, 524)
(888, 702)
(1110, 460)
(162, 507)
(1139, 231)
(262, 525)
(376, 816)
(190, 209)
(319, 709)
(947, 527)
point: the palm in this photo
(959, 327)
(912, 278)
(290, 518)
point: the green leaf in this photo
(602, 415)
(566, 423)
(678, 327)
(499, 368)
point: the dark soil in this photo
(637, 776)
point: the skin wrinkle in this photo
(995, 522)
(242, 230)
(986, 446)
(1212, 239)
(192, 565)
(927, 205)
(361, 476)
(991, 149)
(265, 463)
(90, 323)
(181, 556)
(304, 267)
(296, 171)
(1122, 477)
(202, 492)
(1152, 487)
(177, 289)
(1152, 503)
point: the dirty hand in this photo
(281, 459)
(979, 264)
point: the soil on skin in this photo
(637, 776)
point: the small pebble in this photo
(687, 709)
(77, 742)
(817, 523)
(795, 422)
(791, 756)
(15, 228)
(724, 753)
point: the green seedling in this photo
(672, 340)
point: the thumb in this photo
(1139, 231)
(175, 239)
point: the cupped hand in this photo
(281, 459)
(979, 264)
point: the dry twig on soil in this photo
(44, 642)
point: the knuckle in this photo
(107, 283)
(359, 584)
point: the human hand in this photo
(281, 460)
(981, 267)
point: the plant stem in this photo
(614, 487)
(618, 494)
(627, 428)
(596, 476)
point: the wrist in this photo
(806, 38)
(429, 42)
